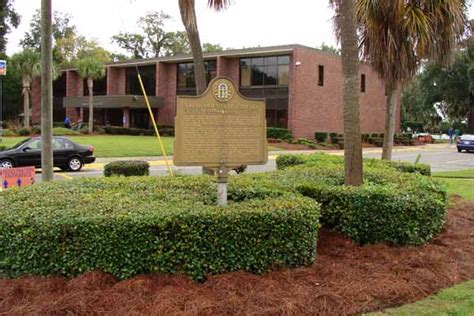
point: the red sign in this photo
(17, 177)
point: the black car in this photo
(67, 154)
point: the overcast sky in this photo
(245, 23)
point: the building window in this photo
(320, 75)
(264, 71)
(186, 78)
(99, 87)
(362, 83)
(148, 75)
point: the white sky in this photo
(245, 23)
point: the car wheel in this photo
(6, 164)
(459, 150)
(74, 164)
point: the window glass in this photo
(257, 75)
(34, 144)
(283, 60)
(58, 143)
(271, 60)
(362, 83)
(185, 76)
(264, 71)
(320, 75)
(148, 75)
(270, 75)
(68, 144)
(283, 78)
(245, 75)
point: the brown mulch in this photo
(346, 279)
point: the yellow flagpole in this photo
(154, 124)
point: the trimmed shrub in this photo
(3, 147)
(36, 130)
(284, 161)
(332, 136)
(119, 130)
(130, 226)
(279, 133)
(24, 132)
(412, 214)
(8, 132)
(62, 131)
(321, 137)
(420, 168)
(127, 168)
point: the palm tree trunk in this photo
(90, 85)
(390, 119)
(26, 104)
(350, 63)
(46, 92)
(188, 15)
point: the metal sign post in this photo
(3, 72)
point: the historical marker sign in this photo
(220, 128)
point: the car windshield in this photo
(467, 137)
(20, 143)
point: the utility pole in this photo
(46, 92)
(3, 72)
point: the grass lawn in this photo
(458, 300)
(458, 182)
(117, 145)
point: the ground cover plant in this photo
(139, 225)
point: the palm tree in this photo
(27, 64)
(91, 69)
(345, 24)
(396, 36)
(188, 16)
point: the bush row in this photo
(127, 168)
(119, 130)
(395, 207)
(285, 161)
(130, 226)
(279, 133)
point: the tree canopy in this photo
(8, 18)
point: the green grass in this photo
(117, 145)
(455, 301)
(458, 182)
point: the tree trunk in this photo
(46, 92)
(90, 85)
(470, 120)
(350, 64)
(26, 104)
(390, 119)
(188, 15)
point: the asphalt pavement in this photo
(441, 157)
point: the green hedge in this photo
(118, 130)
(130, 226)
(279, 133)
(127, 168)
(285, 161)
(397, 204)
(321, 137)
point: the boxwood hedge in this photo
(392, 206)
(127, 168)
(129, 226)
(284, 161)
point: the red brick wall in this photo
(115, 81)
(166, 88)
(36, 101)
(319, 108)
(230, 68)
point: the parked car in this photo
(67, 155)
(465, 142)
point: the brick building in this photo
(302, 87)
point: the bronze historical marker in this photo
(220, 128)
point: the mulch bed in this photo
(345, 280)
